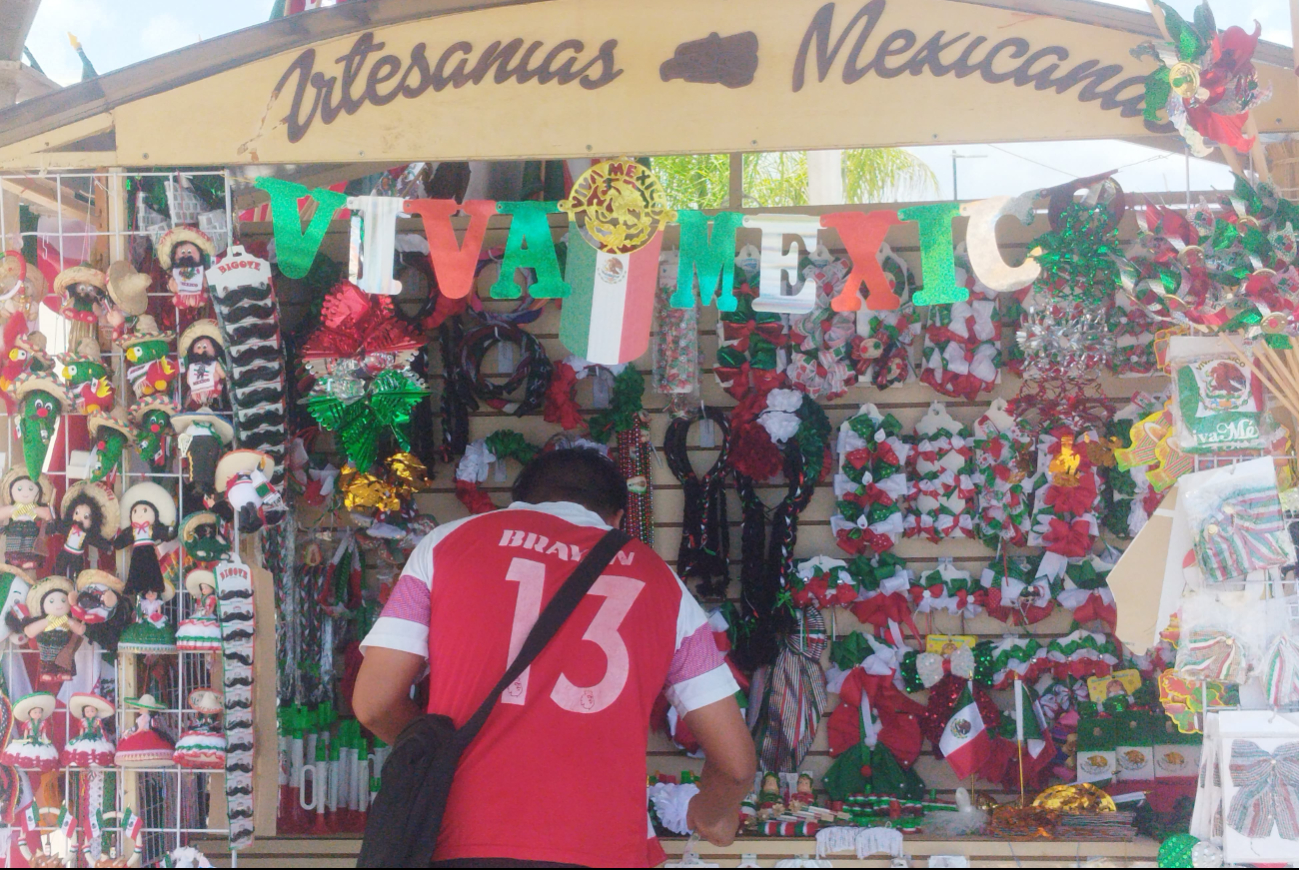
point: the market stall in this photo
(944, 473)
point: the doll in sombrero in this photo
(48, 620)
(143, 744)
(148, 515)
(24, 509)
(90, 748)
(153, 433)
(86, 378)
(200, 632)
(33, 751)
(88, 517)
(203, 746)
(102, 607)
(202, 438)
(151, 363)
(82, 293)
(245, 478)
(187, 253)
(201, 358)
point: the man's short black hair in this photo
(579, 474)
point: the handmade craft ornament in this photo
(871, 484)
(25, 507)
(1266, 784)
(358, 420)
(81, 291)
(153, 433)
(981, 242)
(200, 632)
(237, 616)
(779, 265)
(455, 264)
(621, 205)
(706, 259)
(91, 747)
(128, 290)
(51, 625)
(187, 253)
(85, 378)
(202, 746)
(151, 365)
(295, 248)
(373, 243)
(110, 435)
(23, 352)
(101, 607)
(33, 751)
(705, 534)
(794, 696)
(863, 234)
(202, 540)
(606, 317)
(88, 516)
(202, 360)
(144, 744)
(245, 478)
(530, 246)
(42, 401)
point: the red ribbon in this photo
(1069, 539)
(474, 499)
(560, 407)
(880, 610)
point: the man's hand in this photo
(381, 700)
(719, 832)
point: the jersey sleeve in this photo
(698, 675)
(403, 623)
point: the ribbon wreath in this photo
(1268, 790)
(359, 413)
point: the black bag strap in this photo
(552, 619)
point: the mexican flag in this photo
(1030, 727)
(67, 821)
(965, 742)
(607, 317)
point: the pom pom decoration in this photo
(942, 490)
(871, 483)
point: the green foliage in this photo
(779, 178)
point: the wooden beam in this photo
(735, 188)
(45, 195)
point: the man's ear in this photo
(616, 519)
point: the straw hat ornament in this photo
(146, 330)
(79, 701)
(167, 244)
(37, 593)
(196, 579)
(115, 421)
(95, 577)
(36, 701)
(78, 306)
(238, 462)
(184, 421)
(206, 701)
(127, 288)
(150, 492)
(206, 328)
(146, 702)
(16, 473)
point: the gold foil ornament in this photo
(1079, 798)
(621, 206)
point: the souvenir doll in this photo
(200, 633)
(15, 583)
(41, 402)
(201, 439)
(770, 801)
(151, 365)
(187, 254)
(144, 744)
(803, 796)
(128, 293)
(24, 509)
(85, 377)
(151, 632)
(203, 746)
(20, 287)
(90, 748)
(88, 516)
(101, 606)
(245, 478)
(201, 358)
(33, 751)
(153, 433)
(148, 515)
(82, 292)
(110, 435)
(49, 621)
(202, 540)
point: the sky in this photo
(117, 33)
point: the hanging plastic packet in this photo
(1223, 635)
(1219, 401)
(1237, 525)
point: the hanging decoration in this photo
(947, 589)
(295, 248)
(706, 258)
(1064, 508)
(472, 470)
(823, 344)
(752, 346)
(962, 344)
(792, 695)
(607, 315)
(871, 486)
(942, 490)
(625, 420)
(372, 243)
(1206, 83)
(455, 264)
(1004, 475)
(884, 356)
(1016, 593)
(884, 584)
(676, 356)
(153, 435)
(530, 246)
(41, 403)
(705, 531)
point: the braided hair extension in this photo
(455, 410)
(766, 559)
(705, 535)
(704, 551)
(532, 372)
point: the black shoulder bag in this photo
(402, 827)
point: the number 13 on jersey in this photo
(619, 595)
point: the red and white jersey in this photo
(558, 772)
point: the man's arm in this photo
(381, 700)
(729, 766)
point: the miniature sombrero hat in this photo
(117, 421)
(102, 496)
(155, 495)
(42, 701)
(79, 701)
(53, 583)
(128, 288)
(30, 381)
(79, 275)
(199, 329)
(146, 702)
(206, 701)
(146, 329)
(177, 235)
(17, 472)
(191, 524)
(240, 461)
(196, 577)
(223, 429)
(152, 403)
(96, 577)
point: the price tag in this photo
(600, 390)
(707, 433)
(504, 357)
(499, 474)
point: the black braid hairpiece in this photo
(705, 534)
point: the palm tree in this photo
(779, 178)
